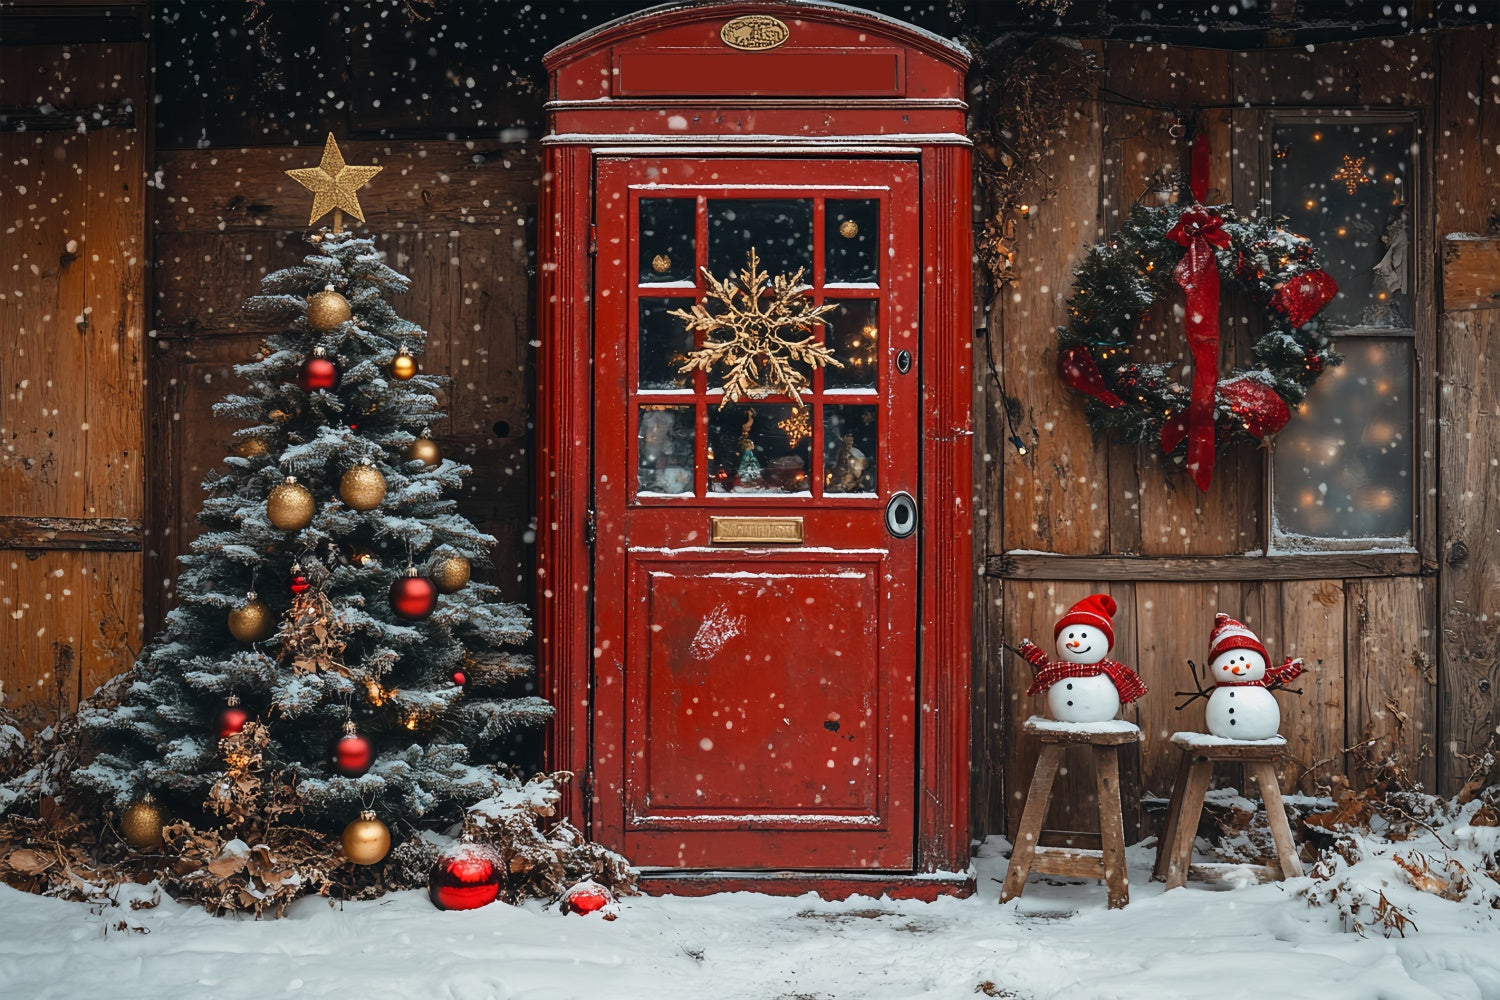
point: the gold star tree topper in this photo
(333, 184)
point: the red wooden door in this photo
(755, 574)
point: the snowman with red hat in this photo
(1241, 706)
(1082, 684)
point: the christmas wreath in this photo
(1199, 249)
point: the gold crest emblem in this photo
(754, 32)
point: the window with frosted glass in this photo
(1343, 468)
(1347, 473)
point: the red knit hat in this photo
(1095, 610)
(1229, 634)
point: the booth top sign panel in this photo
(724, 69)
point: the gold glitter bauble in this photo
(252, 621)
(290, 506)
(367, 840)
(848, 229)
(251, 448)
(142, 821)
(661, 263)
(362, 487)
(327, 309)
(403, 366)
(424, 450)
(450, 574)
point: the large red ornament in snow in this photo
(413, 597)
(353, 753)
(588, 896)
(319, 373)
(230, 719)
(465, 877)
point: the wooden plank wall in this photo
(72, 311)
(453, 216)
(1468, 202)
(1064, 517)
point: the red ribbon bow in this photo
(1198, 273)
(1079, 371)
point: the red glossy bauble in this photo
(353, 753)
(413, 597)
(319, 373)
(465, 877)
(230, 720)
(460, 678)
(299, 584)
(588, 897)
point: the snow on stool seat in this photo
(1200, 751)
(1108, 864)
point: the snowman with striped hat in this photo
(1083, 684)
(1241, 706)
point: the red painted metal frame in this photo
(927, 121)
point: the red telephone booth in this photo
(755, 615)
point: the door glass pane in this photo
(854, 336)
(851, 240)
(779, 229)
(1343, 466)
(759, 448)
(664, 345)
(666, 239)
(1346, 186)
(849, 441)
(665, 448)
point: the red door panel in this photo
(755, 702)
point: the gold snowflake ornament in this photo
(765, 336)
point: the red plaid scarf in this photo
(1126, 681)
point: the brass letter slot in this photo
(757, 530)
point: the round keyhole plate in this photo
(901, 515)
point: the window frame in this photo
(1422, 333)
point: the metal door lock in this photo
(901, 515)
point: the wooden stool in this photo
(1109, 863)
(1174, 849)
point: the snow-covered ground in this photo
(1058, 940)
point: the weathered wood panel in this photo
(71, 472)
(991, 724)
(42, 603)
(1468, 522)
(1312, 616)
(45, 369)
(1471, 273)
(1055, 498)
(1469, 665)
(1467, 182)
(1391, 671)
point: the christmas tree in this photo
(330, 655)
